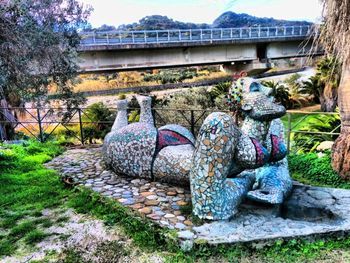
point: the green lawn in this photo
(27, 188)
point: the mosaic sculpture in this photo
(223, 149)
(219, 165)
(141, 150)
(272, 182)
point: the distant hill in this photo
(226, 20)
(231, 19)
(157, 22)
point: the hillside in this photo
(226, 20)
(231, 19)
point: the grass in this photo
(27, 188)
(34, 236)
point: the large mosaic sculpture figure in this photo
(219, 165)
(215, 193)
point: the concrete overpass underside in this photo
(236, 56)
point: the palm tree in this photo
(334, 37)
(279, 92)
(314, 87)
(328, 72)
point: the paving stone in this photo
(169, 216)
(154, 216)
(177, 212)
(152, 197)
(136, 206)
(145, 210)
(180, 226)
(181, 203)
(147, 194)
(185, 234)
(151, 202)
(188, 223)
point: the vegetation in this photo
(38, 52)
(291, 93)
(225, 20)
(231, 19)
(279, 91)
(28, 188)
(313, 169)
(100, 120)
(305, 142)
(92, 82)
(172, 76)
(333, 37)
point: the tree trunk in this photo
(7, 121)
(329, 100)
(341, 147)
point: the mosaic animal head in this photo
(255, 100)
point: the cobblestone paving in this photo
(159, 202)
(309, 210)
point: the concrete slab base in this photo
(308, 211)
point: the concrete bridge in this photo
(236, 48)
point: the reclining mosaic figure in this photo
(214, 163)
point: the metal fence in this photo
(40, 123)
(190, 35)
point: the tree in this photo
(328, 72)
(334, 37)
(38, 43)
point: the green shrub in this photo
(171, 75)
(220, 89)
(316, 123)
(312, 169)
(101, 118)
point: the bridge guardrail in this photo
(191, 35)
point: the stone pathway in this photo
(308, 211)
(159, 202)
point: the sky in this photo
(117, 12)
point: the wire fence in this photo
(43, 123)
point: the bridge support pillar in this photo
(251, 67)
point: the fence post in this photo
(192, 122)
(289, 130)
(154, 117)
(40, 127)
(81, 127)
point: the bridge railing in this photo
(190, 35)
